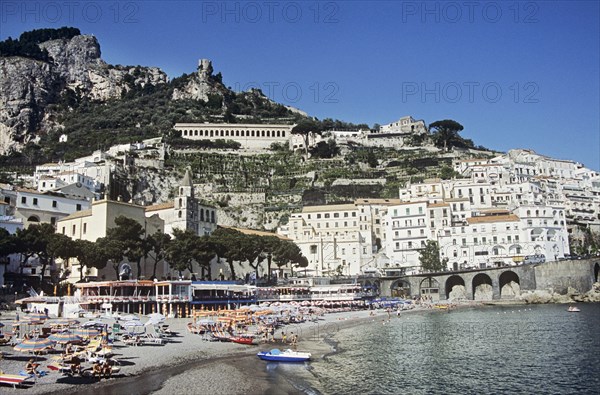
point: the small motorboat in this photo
(243, 339)
(277, 355)
(573, 309)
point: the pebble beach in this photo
(186, 364)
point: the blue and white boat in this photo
(284, 356)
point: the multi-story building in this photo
(250, 136)
(334, 238)
(50, 206)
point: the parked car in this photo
(532, 259)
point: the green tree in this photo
(111, 249)
(287, 252)
(183, 250)
(445, 133)
(207, 250)
(34, 241)
(158, 243)
(131, 235)
(230, 241)
(325, 149)
(430, 257)
(447, 173)
(88, 255)
(8, 244)
(305, 128)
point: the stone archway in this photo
(455, 288)
(510, 285)
(482, 287)
(430, 288)
(400, 289)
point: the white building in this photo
(250, 136)
(405, 125)
(35, 207)
(333, 238)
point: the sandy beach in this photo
(188, 364)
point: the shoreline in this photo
(232, 368)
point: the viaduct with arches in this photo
(504, 282)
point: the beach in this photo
(188, 364)
(185, 364)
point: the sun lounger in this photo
(13, 379)
(152, 338)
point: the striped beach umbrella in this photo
(35, 317)
(65, 337)
(34, 345)
(64, 322)
(86, 332)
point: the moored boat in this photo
(573, 309)
(277, 355)
(243, 339)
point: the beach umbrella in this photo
(35, 317)
(90, 324)
(64, 322)
(86, 332)
(157, 317)
(65, 337)
(34, 345)
(130, 318)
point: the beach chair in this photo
(12, 379)
(152, 339)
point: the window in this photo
(346, 215)
(336, 215)
(84, 228)
(78, 207)
(23, 200)
(63, 230)
(407, 211)
(318, 216)
(35, 201)
(73, 230)
(326, 215)
(420, 210)
(54, 204)
(212, 217)
(431, 213)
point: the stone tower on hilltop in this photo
(205, 68)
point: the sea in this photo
(525, 349)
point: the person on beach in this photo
(97, 369)
(283, 337)
(76, 365)
(31, 368)
(106, 369)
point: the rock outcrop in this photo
(572, 295)
(200, 84)
(28, 86)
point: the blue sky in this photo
(515, 74)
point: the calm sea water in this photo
(517, 349)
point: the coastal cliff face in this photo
(28, 86)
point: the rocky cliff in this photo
(74, 68)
